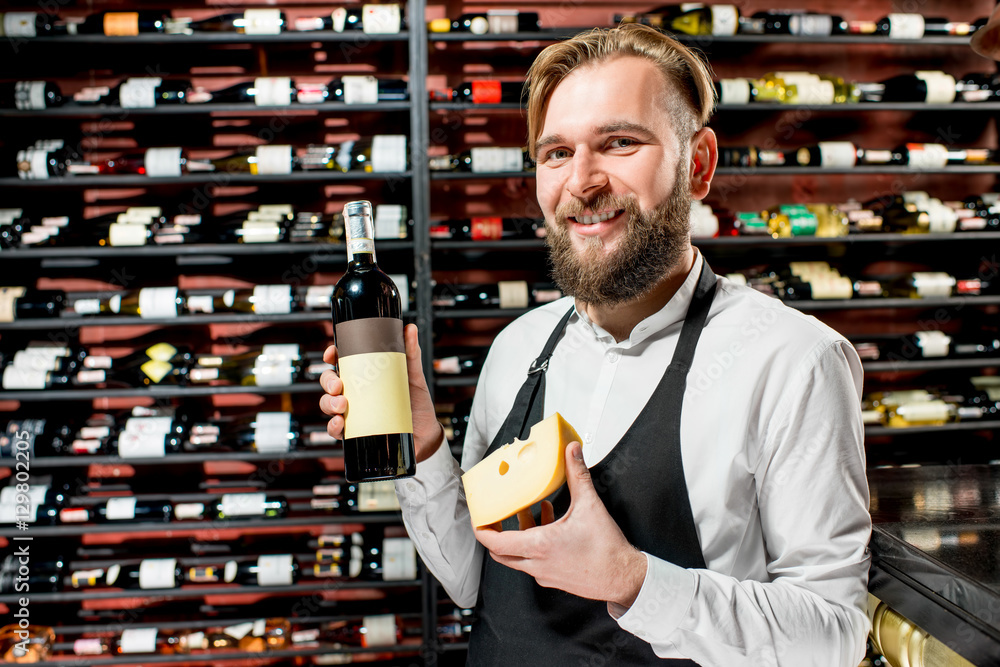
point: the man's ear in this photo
(704, 156)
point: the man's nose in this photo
(587, 176)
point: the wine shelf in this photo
(454, 381)
(98, 111)
(860, 107)
(154, 392)
(201, 591)
(764, 240)
(930, 364)
(170, 459)
(974, 425)
(862, 170)
(359, 38)
(704, 42)
(206, 178)
(331, 251)
(182, 528)
(41, 324)
(228, 657)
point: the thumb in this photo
(414, 357)
(577, 473)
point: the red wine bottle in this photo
(368, 331)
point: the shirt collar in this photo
(674, 311)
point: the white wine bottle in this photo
(368, 331)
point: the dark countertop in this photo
(936, 552)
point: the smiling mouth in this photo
(594, 219)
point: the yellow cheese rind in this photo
(519, 474)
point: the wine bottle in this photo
(367, 632)
(493, 21)
(266, 570)
(36, 581)
(504, 294)
(976, 87)
(486, 159)
(119, 24)
(930, 87)
(22, 303)
(125, 509)
(145, 93)
(30, 95)
(38, 436)
(46, 159)
(829, 155)
(736, 91)
(262, 91)
(467, 363)
(487, 228)
(45, 496)
(264, 160)
(160, 162)
(29, 24)
(707, 20)
(789, 22)
(246, 506)
(367, 90)
(261, 21)
(488, 91)
(261, 372)
(371, 19)
(368, 332)
(264, 433)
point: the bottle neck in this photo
(361, 260)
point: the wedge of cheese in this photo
(520, 474)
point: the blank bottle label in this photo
(24, 378)
(380, 630)
(121, 24)
(906, 26)
(373, 369)
(8, 297)
(810, 24)
(184, 511)
(927, 156)
(243, 504)
(240, 630)
(274, 160)
(399, 559)
(380, 19)
(725, 20)
(275, 570)
(125, 234)
(389, 152)
(120, 509)
(933, 343)
(139, 93)
(271, 431)
(933, 284)
(141, 446)
(734, 91)
(272, 299)
(163, 162)
(273, 91)
(837, 154)
(262, 21)
(390, 221)
(941, 87)
(29, 95)
(360, 89)
(138, 640)
(377, 497)
(496, 160)
(513, 293)
(158, 573)
(502, 20)
(88, 646)
(19, 24)
(157, 302)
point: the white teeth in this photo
(594, 219)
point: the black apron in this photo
(641, 482)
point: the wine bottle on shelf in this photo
(144, 93)
(486, 159)
(366, 89)
(30, 24)
(367, 632)
(262, 91)
(828, 154)
(120, 24)
(736, 91)
(718, 20)
(487, 228)
(504, 294)
(30, 95)
(38, 436)
(488, 91)
(264, 433)
(265, 369)
(46, 159)
(160, 162)
(368, 332)
(385, 19)
(266, 570)
(977, 87)
(46, 496)
(259, 21)
(125, 509)
(22, 303)
(494, 21)
(459, 364)
(929, 87)
(791, 22)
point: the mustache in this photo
(601, 202)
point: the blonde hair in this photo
(690, 91)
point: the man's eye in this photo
(557, 154)
(622, 142)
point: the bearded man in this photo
(716, 512)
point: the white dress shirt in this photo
(772, 445)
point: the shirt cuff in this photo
(662, 603)
(433, 474)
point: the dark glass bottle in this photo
(488, 91)
(30, 95)
(487, 228)
(29, 24)
(120, 24)
(368, 326)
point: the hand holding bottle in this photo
(427, 431)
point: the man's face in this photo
(612, 181)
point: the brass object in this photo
(906, 645)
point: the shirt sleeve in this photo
(812, 496)
(436, 513)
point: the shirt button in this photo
(613, 356)
(588, 438)
(411, 487)
(425, 535)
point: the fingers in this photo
(548, 513)
(414, 359)
(331, 383)
(330, 355)
(335, 427)
(581, 487)
(525, 520)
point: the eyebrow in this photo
(617, 127)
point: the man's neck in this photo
(619, 319)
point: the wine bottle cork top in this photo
(358, 220)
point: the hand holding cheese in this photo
(520, 474)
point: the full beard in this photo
(654, 242)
